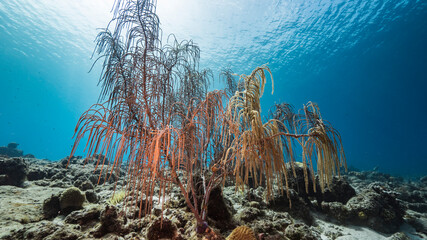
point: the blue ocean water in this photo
(363, 62)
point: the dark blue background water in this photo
(363, 62)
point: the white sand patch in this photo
(19, 206)
(347, 232)
(350, 232)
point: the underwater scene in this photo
(186, 119)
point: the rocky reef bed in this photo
(40, 199)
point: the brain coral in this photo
(71, 199)
(242, 233)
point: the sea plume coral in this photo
(157, 116)
(260, 150)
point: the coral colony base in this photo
(169, 159)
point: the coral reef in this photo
(299, 231)
(36, 214)
(11, 150)
(163, 229)
(110, 223)
(194, 163)
(373, 207)
(51, 207)
(13, 171)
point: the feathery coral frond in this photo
(259, 149)
(159, 118)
